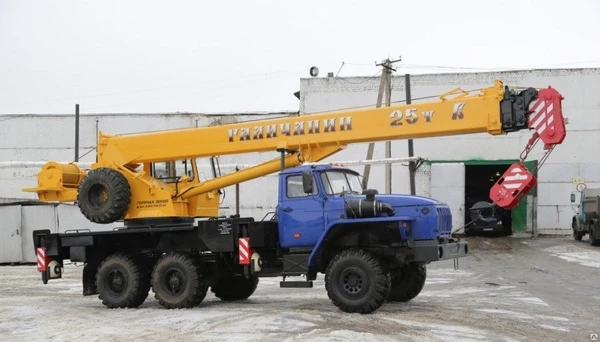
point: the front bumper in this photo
(434, 251)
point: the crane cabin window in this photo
(295, 188)
(337, 182)
(169, 172)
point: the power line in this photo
(189, 93)
(458, 67)
(155, 88)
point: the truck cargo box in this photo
(591, 203)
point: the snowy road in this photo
(506, 290)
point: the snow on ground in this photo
(589, 258)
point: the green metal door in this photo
(519, 213)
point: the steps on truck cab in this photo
(295, 265)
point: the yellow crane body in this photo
(303, 138)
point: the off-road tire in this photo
(177, 281)
(407, 282)
(104, 195)
(594, 239)
(356, 281)
(577, 235)
(234, 288)
(122, 282)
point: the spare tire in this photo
(104, 195)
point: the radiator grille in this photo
(444, 220)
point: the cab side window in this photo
(295, 188)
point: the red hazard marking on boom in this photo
(512, 186)
(42, 260)
(244, 251)
(546, 117)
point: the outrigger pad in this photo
(514, 184)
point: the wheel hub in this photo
(116, 281)
(353, 282)
(174, 281)
(97, 196)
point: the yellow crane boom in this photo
(123, 183)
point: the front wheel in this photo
(356, 281)
(577, 235)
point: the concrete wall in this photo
(20, 220)
(51, 137)
(577, 156)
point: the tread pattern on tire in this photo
(409, 285)
(138, 277)
(380, 280)
(119, 195)
(198, 287)
(234, 288)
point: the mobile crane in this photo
(371, 247)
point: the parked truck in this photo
(371, 247)
(587, 218)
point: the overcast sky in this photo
(224, 56)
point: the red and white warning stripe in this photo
(515, 177)
(244, 251)
(42, 260)
(541, 116)
(546, 117)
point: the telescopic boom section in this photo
(456, 112)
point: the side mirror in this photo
(307, 182)
(572, 198)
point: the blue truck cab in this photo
(587, 217)
(336, 199)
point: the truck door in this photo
(300, 215)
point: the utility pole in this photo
(385, 86)
(76, 132)
(411, 164)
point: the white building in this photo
(453, 162)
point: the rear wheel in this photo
(177, 281)
(122, 282)
(593, 234)
(356, 281)
(235, 287)
(104, 195)
(407, 282)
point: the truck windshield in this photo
(336, 182)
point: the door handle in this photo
(287, 209)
